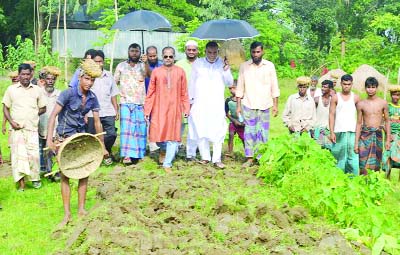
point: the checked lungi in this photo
(25, 160)
(370, 149)
(133, 131)
(256, 130)
(343, 151)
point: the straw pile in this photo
(365, 71)
(234, 52)
(334, 74)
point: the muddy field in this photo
(195, 210)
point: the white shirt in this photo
(345, 118)
(206, 92)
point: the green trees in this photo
(309, 33)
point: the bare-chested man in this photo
(371, 113)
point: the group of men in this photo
(189, 93)
(351, 128)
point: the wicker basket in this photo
(80, 155)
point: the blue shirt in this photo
(151, 67)
(71, 118)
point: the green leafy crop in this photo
(306, 175)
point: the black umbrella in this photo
(143, 20)
(225, 29)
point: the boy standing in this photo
(236, 125)
(72, 105)
(371, 112)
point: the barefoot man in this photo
(371, 113)
(71, 107)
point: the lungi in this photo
(133, 131)
(321, 135)
(256, 130)
(370, 149)
(391, 158)
(25, 159)
(343, 151)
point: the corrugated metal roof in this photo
(79, 40)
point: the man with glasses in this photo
(167, 99)
(207, 121)
(130, 75)
(191, 51)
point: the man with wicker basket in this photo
(71, 107)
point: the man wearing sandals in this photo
(207, 121)
(71, 107)
(166, 100)
(106, 91)
(257, 92)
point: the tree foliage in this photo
(311, 33)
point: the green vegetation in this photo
(365, 207)
(311, 33)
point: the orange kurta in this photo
(167, 98)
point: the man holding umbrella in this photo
(207, 121)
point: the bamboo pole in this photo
(34, 24)
(57, 29)
(65, 44)
(39, 24)
(386, 84)
(398, 77)
(115, 35)
(50, 11)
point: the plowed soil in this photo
(195, 210)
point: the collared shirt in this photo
(299, 112)
(151, 67)
(187, 66)
(105, 88)
(44, 118)
(71, 117)
(257, 84)
(131, 81)
(24, 104)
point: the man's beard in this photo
(256, 60)
(49, 89)
(153, 62)
(191, 58)
(133, 59)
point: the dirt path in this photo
(194, 210)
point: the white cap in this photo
(191, 43)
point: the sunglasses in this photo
(171, 57)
